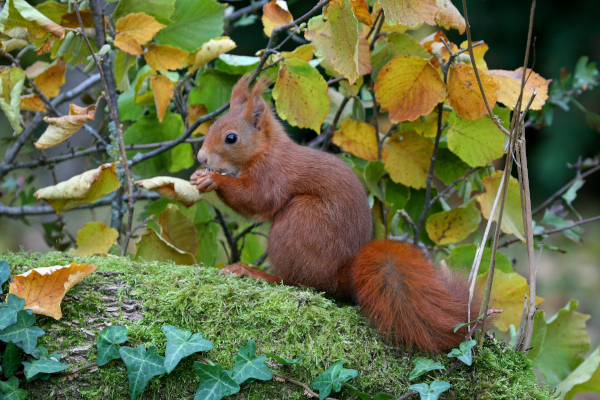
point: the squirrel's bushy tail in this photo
(404, 295)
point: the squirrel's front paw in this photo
(204, 180)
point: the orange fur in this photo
(321, 227)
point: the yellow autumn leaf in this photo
(410, 12)
(81, 189)
(409, 87)
(32, 102)
(448, 16)
(358, 138)
(275, 14)
(361, 12)
(11, 85)
(512, 218)
(162, 87)
(62, 128)
(407, 156)
(392, 27)
(464, 94)
(152, 247)
(166, 57)
(178, 190)
(48, 77)
(178, 229)
(479, 53)
(452, 226)
(44, 288)
(508, 294)
(209, 51)
(302, 52)
(95, 238)
(427, 125)
(196, 111)
(134, 30)
(509, 83)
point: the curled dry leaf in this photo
(162, 87)
(275, 14)
(175, 189)
(509, 83)
(32, 102)
(134, 30)
(358, 138)
(448, 16)
(62, 128)
(410, 12)
(11, 84)
(209, 51)
(80, 189)
(166, 57)
(464, 94)
(48, 77)
(19, 20)
(95, 238)
(44, 288)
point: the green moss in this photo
(229, 311)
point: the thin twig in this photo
(450, 186)
(310, 392)
(328, 133)
(235, 252)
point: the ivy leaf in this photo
(332, 379)
(194, 22)
(455, 225)
(11, 80)
(95, 238)
(9, 310)
(407, 156)
(476, 142)
(585, 378)
(181, 344)
(10, 389)
(108, 343)
(409, 87)
(355, 392)
(215, 382)
(43, 366)
(142, 365)
(422, 366)
(300, 94)
(4, 273)
(565, 345)
(463, 256)
(285, 361)
(430, 392)
(247, 367)
(23, 332)
(41, 353)
(11, 359)
(463, 353)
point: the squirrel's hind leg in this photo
(243, 270)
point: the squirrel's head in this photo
(235, 139)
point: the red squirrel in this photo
(322, 228)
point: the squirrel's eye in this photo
(231, 138)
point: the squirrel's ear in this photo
(239, 94)
(256, 108)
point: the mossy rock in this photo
(230, 311)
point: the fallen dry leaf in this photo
(62, 128)
(179, 190)
(44, 288)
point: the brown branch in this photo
(328, 133)
(235, 252)
(310, 392)
(407, 395)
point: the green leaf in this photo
(414, 208)
(571, 194)
(252, 249)
(129, 110)
(585, 378)
(356, 393)
(455, 225)
(550, 218)
(141, 367)
(332, 379)
(207, 242)
(430, 392)
(448, 166)
(43, 366)
(464, 353)
(593, 120)
(396, 44)
(383, 396)
(584, 74)
(123, 62)
(108, 343)
(152, 247)
(372, 174)
(422, 366)
(476, 142)
(565, 345)
(215, 383)
(194, 22)
(22, 332)
(11, 359)
(236, 65)
(10, 389)
(213, 88)
(159, 9)
(181, 344)
(148, 129)
(4, 273)
(285, 361)
(247, 367)
(463, 256)
(9, 310)
(300, 94)
(540, 328)
(11, 84)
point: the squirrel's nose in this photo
(203, 159)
